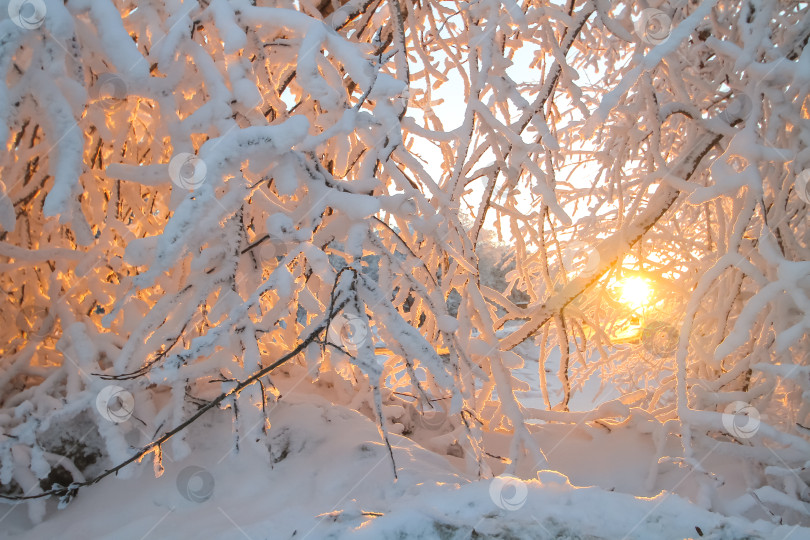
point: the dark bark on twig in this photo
(70, 491)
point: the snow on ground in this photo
(330, 476)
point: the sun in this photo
(635, 291)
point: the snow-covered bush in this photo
(193, 195)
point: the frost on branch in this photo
(196, 196)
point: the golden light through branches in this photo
(635, 291)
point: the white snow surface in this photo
(328, 475)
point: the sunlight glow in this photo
(635, 291)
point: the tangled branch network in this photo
(197, 195)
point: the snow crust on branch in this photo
(197, 196)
